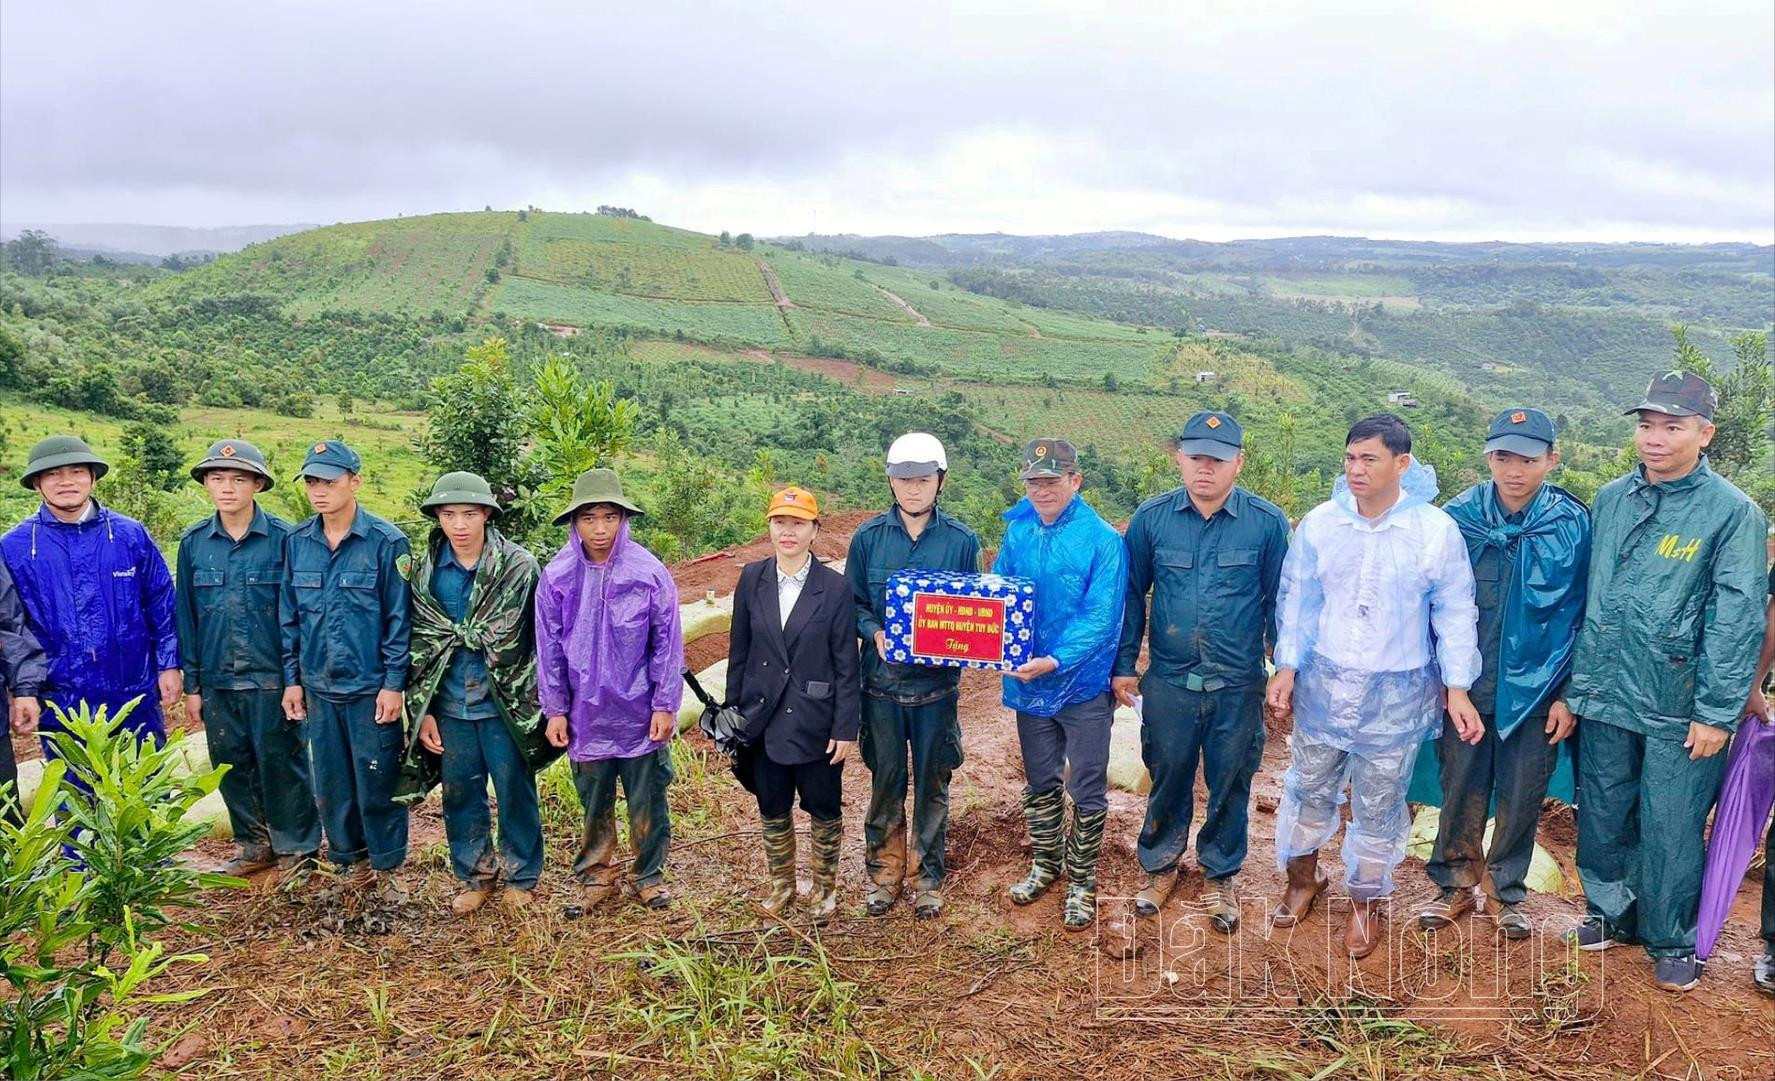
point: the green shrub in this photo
(83, 880)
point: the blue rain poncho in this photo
(1080, 568)
(1550, 560)
(1358, 602)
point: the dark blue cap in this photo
(330, 459)
(1217, 435)
(1527, 432)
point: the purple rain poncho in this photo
(1738, 821)
(609, 647)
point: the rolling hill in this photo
(1121, 386)
(770, 360)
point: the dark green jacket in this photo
(880, 547)
(1213, 583)
(1676, 604)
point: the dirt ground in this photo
(299, 989)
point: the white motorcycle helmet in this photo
(916, 454)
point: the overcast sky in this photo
(1543, 120)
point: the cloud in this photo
(1516, 120)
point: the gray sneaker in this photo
(1513, 924)
(1764, 976)
(1677, 973)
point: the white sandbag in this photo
(1127, 771)
(700, 619)
(196, 758)
(1543, 870)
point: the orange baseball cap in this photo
(793, 502)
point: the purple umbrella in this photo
(1738, 821)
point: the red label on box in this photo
(958, 628)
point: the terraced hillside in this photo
(590, 270)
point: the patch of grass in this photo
(746, 1012)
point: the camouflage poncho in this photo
(500, 623)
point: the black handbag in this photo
(726, 729)
(723, 724)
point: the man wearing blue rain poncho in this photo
(1370, 574)
(1530, 546)
(1064, 708)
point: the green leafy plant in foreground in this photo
(83, 881)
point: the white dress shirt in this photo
(789, 588)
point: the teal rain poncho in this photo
(1545, 605)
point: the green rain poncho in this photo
(500, 625)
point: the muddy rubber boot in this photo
(828, 840)
(1363, 933)
(1304, 884)
(1046, 814)
(1082, 849)
(779, 855)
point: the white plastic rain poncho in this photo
(1375, 617)
(1354, 614)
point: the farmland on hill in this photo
(783, 363)
(1573, 326)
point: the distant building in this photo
(904, 392)
(1488, 367)
(1403, 398)
(559, 330)
(1204, 377)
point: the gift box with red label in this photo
(952, 620)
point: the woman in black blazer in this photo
(792, 673)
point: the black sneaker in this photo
(1593, 935)
(1677, 973)
(1764, 976)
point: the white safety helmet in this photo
(916, 454)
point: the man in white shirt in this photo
(1369, 575)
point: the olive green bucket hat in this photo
(459, 489)
(58, 451)
(596, 486)
(237, 454)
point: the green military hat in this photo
(460, 489)
(58, 451)
(234, 454)
(1680, 394)
(596, 486)
(1048, 457)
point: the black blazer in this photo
(797, 685)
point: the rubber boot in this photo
(828, 840)
(1304, 884)
(1046, 814)
(1363, 933)
(779, 854)
(1082, 849)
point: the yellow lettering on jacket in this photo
(1671, 546)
